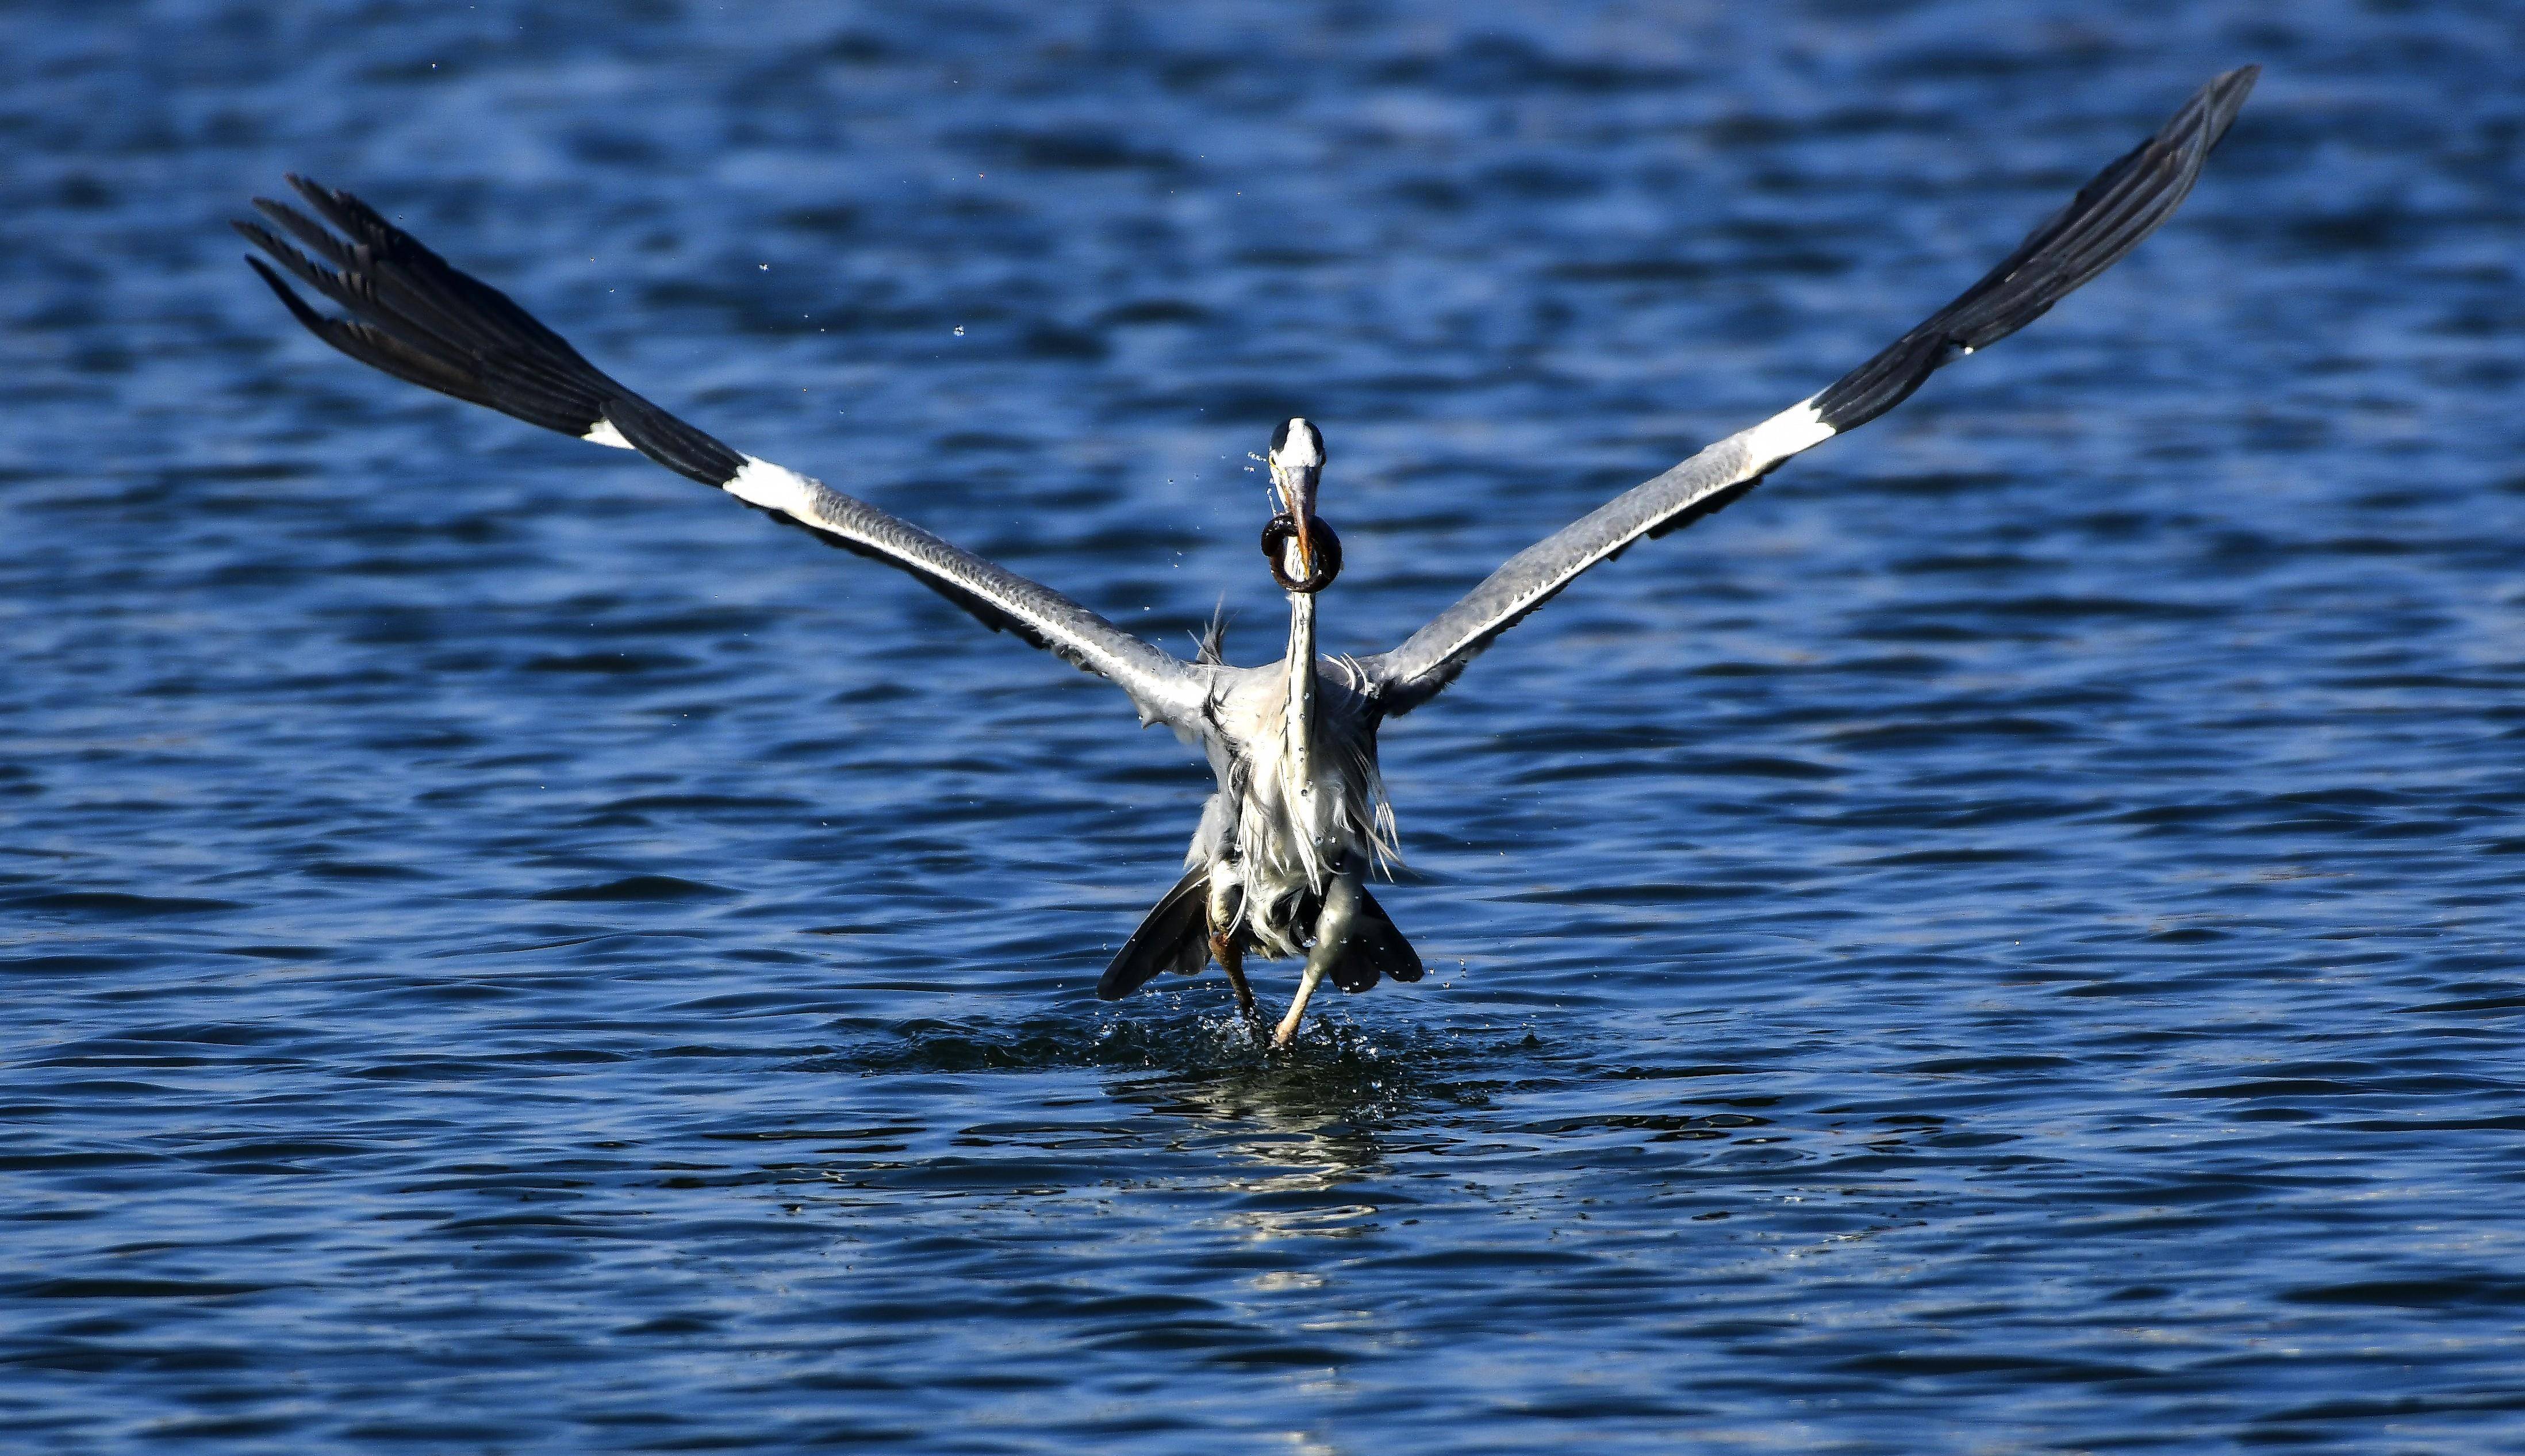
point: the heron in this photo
(1280, 862)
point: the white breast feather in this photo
(1290, 834)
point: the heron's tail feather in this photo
(1174, 936)
(1375, 947)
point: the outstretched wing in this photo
(417, 319)
(2125, 203)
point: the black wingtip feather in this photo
(671, 442)
(418, 319)
(2111, 215)
(314, 321)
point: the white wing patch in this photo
(606, 434)
(759, 482)
(1799, 427)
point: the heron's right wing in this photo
(421, 321)
(2123, 204)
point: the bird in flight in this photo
(1280, 862)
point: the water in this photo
(2004, 939)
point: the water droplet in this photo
(959, 330)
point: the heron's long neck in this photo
(1299, 724)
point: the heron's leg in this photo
(1332, 928)
(1307, 985)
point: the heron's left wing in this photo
(416, 317)
(2125, 202)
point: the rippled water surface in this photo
(2004, 939)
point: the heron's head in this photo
(1303, 553)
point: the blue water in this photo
(2006, 939)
